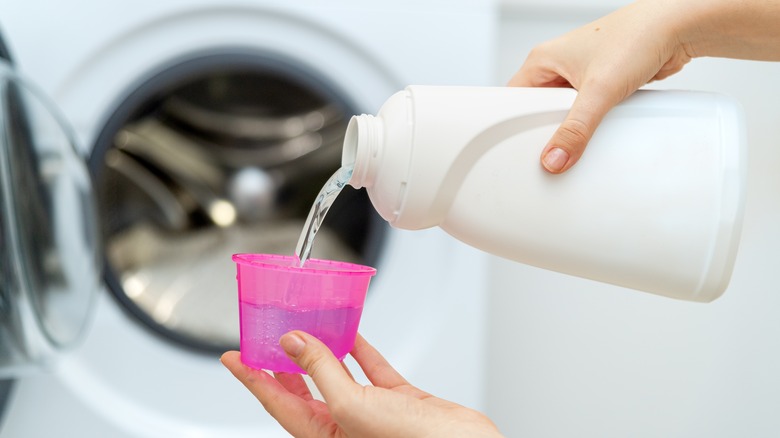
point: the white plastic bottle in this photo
(654, 204)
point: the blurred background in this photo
(208, 127)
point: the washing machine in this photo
(206, 128)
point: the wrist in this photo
(726, 28)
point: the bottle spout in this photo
(361, 144)
(349, 150)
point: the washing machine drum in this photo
(49, 255)
(220, 153)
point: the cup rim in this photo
(313, 266)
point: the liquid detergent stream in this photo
(322, 204)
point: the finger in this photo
(295, 384)
(570, 139)
(531, 75)
(292, 412)
(374, 365)
(320, 363)
(346, 369)
(667, 70)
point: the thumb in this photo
(570, 139)
(320, 364)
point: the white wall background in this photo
(571, 357)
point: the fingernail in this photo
(292, 344)
(555, 159)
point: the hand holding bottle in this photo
(610, 58)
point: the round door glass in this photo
(51, 215)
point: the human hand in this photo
(606, 61)
(390, 408)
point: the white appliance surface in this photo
(425, 307)
(570, 357)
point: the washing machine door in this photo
(49, 264)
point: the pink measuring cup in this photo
(324, 298)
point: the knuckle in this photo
(270, 400)
(536, 53)
(603, 77)
(339, 409)
(574, 133)
(312, 362)
(347, 406)
(543, 48)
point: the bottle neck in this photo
(362, 142)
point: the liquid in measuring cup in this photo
(263, 325)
